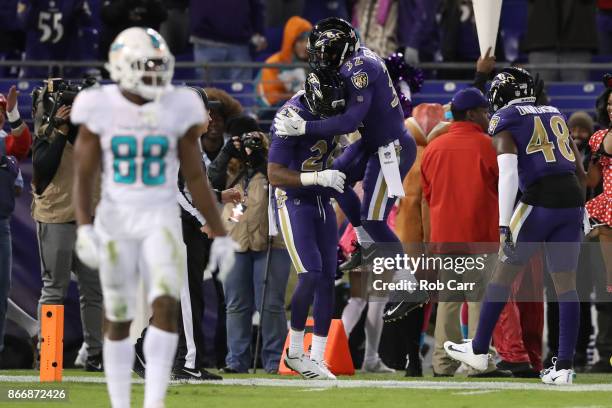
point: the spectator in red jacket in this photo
(459, 177)
(18, 142)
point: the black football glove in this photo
(506, 242)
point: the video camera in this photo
(56, 92)
(252, 140)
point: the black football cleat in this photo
(193, 374)
(94, 364)
(354, 260)
(359, 257)
(497, 373)
(402, 303)
(139, 361)
(519, 370)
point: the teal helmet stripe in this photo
(154, 40)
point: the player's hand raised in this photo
(288, 123)
(11, 99)
(326, 178)
(87, 246)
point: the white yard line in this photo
(475, 392)
(297, 383)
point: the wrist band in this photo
(15, 124)
(13, 115)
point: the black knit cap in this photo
(242, 124)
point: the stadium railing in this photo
(567, 96)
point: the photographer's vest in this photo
(251, 232)
(55, 205)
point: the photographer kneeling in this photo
(242, 164)
(53, 211)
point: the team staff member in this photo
(459, 177)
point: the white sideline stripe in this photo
(476, 392)
(431, 385)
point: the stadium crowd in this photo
(451, 190)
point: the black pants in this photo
(198, 250)
(402, 338)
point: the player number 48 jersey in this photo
(139, 142)
(542, 139)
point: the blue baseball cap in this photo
(469, 98)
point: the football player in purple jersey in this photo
(300, 169)
(537, 156)
(383, 155)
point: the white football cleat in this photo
(463, 353)
(328, 375)
(553, 376)
(376, 367)
(81, 358)
(305, 367)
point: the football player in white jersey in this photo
(137, 131)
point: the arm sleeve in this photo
(19, 146)
(189, 208)
(507, 186)
(217, 170)
(46, 157)
(349, 121)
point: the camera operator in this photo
(242, 164)
(52, 209)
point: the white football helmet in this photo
(140, 61)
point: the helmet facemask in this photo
(325, 93)
(155, 76)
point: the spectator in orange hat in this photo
(276, 85)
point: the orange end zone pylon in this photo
(337, 354)
(51, 343)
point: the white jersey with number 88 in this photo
(138, 142)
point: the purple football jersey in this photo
(372, 104)
(303, 153)
(541, 136)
